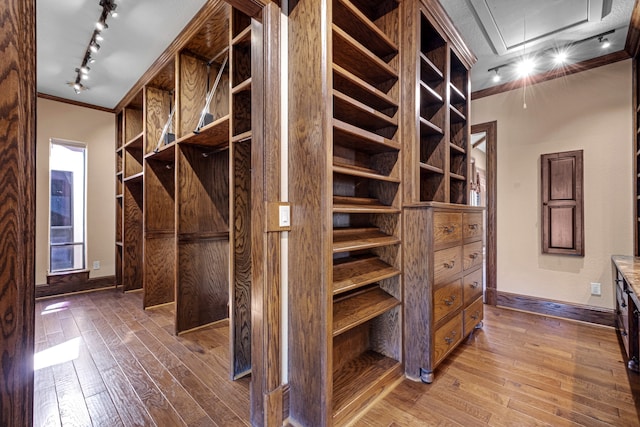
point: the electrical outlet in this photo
(595, 289)
(96, 265)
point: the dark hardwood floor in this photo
(519, 370)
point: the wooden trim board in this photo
(76, 103)
(75, 285)
(565, 310)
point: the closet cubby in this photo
(358, 300)
(132, 272)
(240, 174)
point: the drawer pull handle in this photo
(474, 285)
(450, 300)
(450, 338)
(450, 264)
(476, 315)
(448, 228)
(473, 226)
(474, 255)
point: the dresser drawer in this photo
(472, 255)
(472, 286)
(472, 225)
(447, 337)
(446, 263)
(447, 227)
(447, 299)
(473, 315)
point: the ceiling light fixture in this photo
(555, 56)
(82, 72)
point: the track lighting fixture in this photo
(557, 56)
(82, 72)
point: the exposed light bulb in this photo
(101, 25)
(94, 47)
(85, 77)
(114, 14)
(77, 86)
(497, 77)
(560, 57)
(606, 43)
(84, 69)
(91, 60)
(99, 37)
(525, 67)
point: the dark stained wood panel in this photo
(165, 79)
(192, 93)
(159, 183)
(132, 274)
(353, 310)
(17, 210)
(352, 239)
(202, 289)
(159, 268)
(241, 291)
(354, 272)
(213, 36)
(157, 103)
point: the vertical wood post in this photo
(17, 210)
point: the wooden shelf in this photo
(361, 205)
(428, 128)
(362, 172)
(243, 37)
(359, 139)
(457, 148)
(353, 310)
(360, 378)
(245, 136)
(215, 134)
(355, 272)
(165, 153)
(135, 178)
(429, 70)
(430, 168)
(119, 150)
(352, 111)
(456, 176)
(431, 96)
(456, 116)
(118, 243)
(135, 143)
(351, 19)
(353, 239)
(119, 196)
(119, 174)
(242, 86)
(456, 94)
(357, 59)
(196, 237)
(350, 84)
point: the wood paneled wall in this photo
(17, 210)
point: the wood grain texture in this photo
(192, 92)
(156, 113)
(133, 119)
(203, 190)
(159, 196)
(202, 288)
(17, 210)
(132, 272)
(68, 278)
(310, 238)
(79, 286)
(591, 314)
(159, 270)
(562, 382)
(491, 129)
(241, 289)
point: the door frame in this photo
(491, 129)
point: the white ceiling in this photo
(493, 29)
(133, 41)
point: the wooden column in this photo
(17, 210)
(266, 319)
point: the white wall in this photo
(96, 129)
(591, 111)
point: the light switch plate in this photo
(596, 289)
(284, 216)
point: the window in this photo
(66, 206)
(562, 203)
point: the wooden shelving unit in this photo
(177, 196)
(240, 134)
(636, 154)
(132, 117)
(347, 302)
(159, 188)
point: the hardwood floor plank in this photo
(45, 411)
(102, 410)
